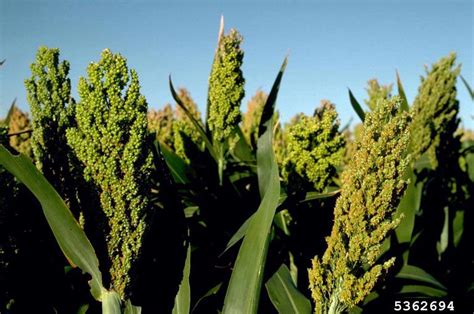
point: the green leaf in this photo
(196, 124)
(355, 104)
(190, 211)
(131, 309)
(182, 303)
(238, 235)
(9, 113)
(209, 293)
(284, 295)
(71, 238)
(242, 151)
(282, 220)
(83, 309)
(469, 89)
(401, 92)
(423, 290)
(111, 303)
(266, 125)
(409, 206)
(411, 272)
(458, 227)
(311, 196)
(176, 164)
(243, 292)
(269, 107)
(442, 244)
(468, 149)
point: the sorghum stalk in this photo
(372, 185)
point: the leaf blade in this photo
(401, 92)
(284, 295)
(71, 238)
(182, 303)
(411, 272)
(196, 124)
(357, 107)
(243, 292)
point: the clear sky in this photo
(331, 45)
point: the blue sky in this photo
(331, 45)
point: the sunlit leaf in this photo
(243, 292)
(401, 92)
(182, 303)
(196, 124)
(71, 238)
(284, 295)
(468, 87)
(111, 303)
(357, 107)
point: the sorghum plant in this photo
(372, 185)
(111, 141)
(315, 148)
(376, 93)
(49, 95)
(18, 122)
(226, 87)
(226, 90)
(435, 108)
(251, 118)
(161, 122)
(184, 131)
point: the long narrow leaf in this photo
(238, 235)
(209, 293)
(131, 309)
(284, 295)
(409, 206)
(71, 238)
(176, 164)
(357, 107)
(311, 196)
(267, 125)
(468, 87)
(9, 113)
(269, 107)
(423, 290)
(401, 92)
(242, 150)
(243, 292)
(411, 272)
(182, 303)
(196, 124)
(111, 303)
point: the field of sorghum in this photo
(170, 211)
